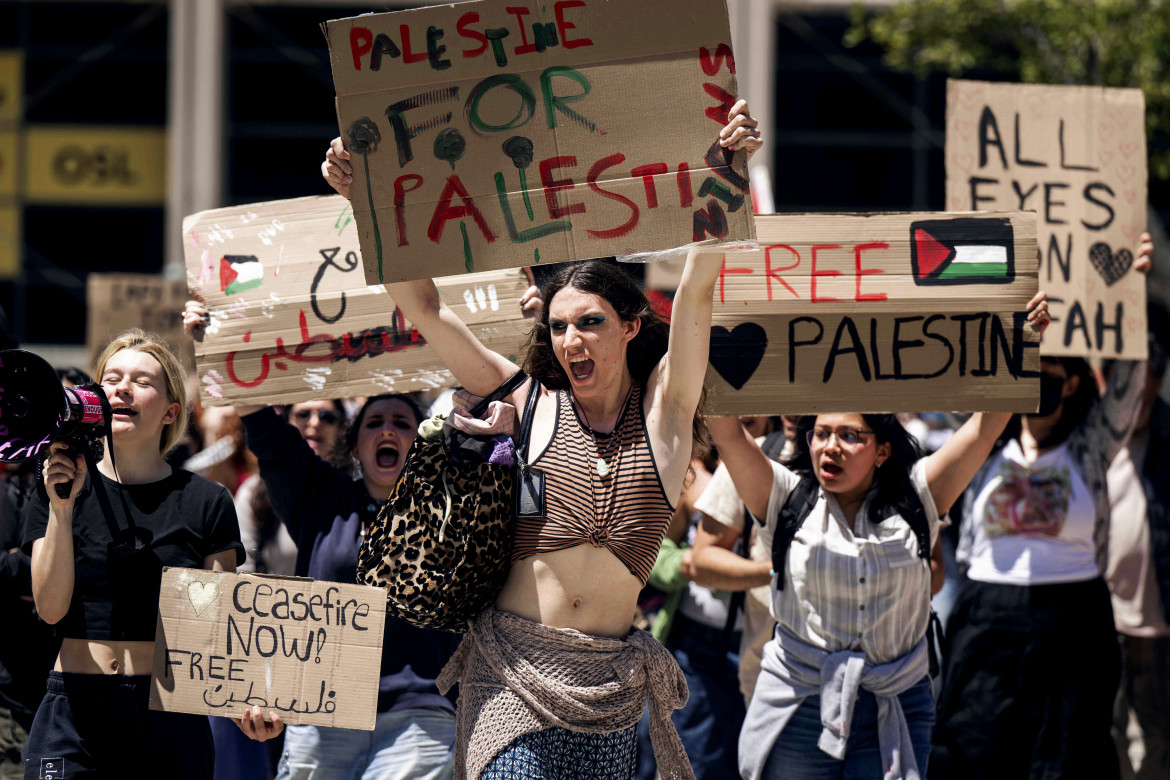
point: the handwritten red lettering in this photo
(553, 186)
(726, 101)
(647, 174)
(408, 55)
(564, 26)
(771, 273)
(711, 66)
(361, 41)
(400, 190)
(814, 273)
(723, 272)
(520, 12)
(444, 211)
(685, 195)
(857, 250)
(471, 17)
(596, 171)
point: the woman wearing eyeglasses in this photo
(850, 517)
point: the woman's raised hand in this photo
(741, 131)
(335, 169)
(61, 468)
(1038, 312)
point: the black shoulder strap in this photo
(501, 392)
(797, 507)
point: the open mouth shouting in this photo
(387, 455)
(830, 470)
(123, 411)
(581, 367)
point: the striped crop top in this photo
(626, 512)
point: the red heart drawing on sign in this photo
(1104, 132)
(968, 96)
(1128, 148)
(956, 203)
(964, 162)
(1130, 196)
(965, 128)
(1105, 158)
(1126, 171)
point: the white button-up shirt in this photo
(860, 587)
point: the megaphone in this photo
(35, 411)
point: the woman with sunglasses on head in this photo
(1033, 663)
(552, 679)
(102, 593)
(850, 518)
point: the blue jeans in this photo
(795, 756)
(409, 744)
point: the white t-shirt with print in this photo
(1033, 522)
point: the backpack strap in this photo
(799, 505)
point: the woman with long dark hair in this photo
(850, 519)
(553, 673)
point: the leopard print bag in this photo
(442, 543)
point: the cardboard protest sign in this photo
(504, 133)
(310, 651)
(878, 313)
(117, 302)
(291, 318)
(1077, 157)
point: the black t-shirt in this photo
(115, 597)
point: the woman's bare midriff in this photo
(584, 587)
(102, 656)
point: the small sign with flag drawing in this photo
(978, 250)
(238, 273)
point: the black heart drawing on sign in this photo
(736, 354)
(1111, 266)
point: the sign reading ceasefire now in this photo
(291, 318)
(503, 133)
(308, 650)
(878, 313)
(1077, 157)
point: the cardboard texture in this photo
(877, 313)
(292, 320)
(310, 651)
(118, 302)
(505, 133)
(1077, 157)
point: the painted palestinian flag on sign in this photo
(965, 250)
(238, 273)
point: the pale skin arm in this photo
(749, 467)
(715, 565)
(949, 470)
(52, 555)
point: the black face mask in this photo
(1051, 395)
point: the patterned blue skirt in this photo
(560, 754)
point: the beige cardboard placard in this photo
(1077, 157)
(292, 320)
(504, 133)
(878, 313)
(118, 302)
(306, 649)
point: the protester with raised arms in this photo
(850, 519)
(103, 596)
(1034, 664)
(554, 672)
(327, 513)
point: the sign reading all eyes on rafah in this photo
(505, 133)
(291, 318)
(878, 313)
(1077, 157)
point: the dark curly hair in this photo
(606, 279)
(894, 487)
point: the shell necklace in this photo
(603, 466)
